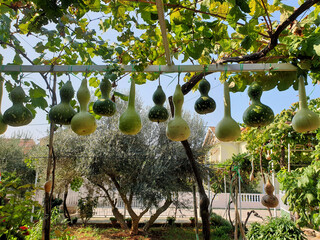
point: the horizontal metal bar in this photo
(257, 67)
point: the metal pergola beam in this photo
(153, 68)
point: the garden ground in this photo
(96, 232)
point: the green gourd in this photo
(104, 106)
(257, 114)
(83, 123)
(130, 122)
(204, 104)
(158, 113)
(3, 126)
(177, 128)
(62, 113)
(304, 120)
(18, 114)
(227, 129)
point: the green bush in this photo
(302, 193)
(275, 229)
(16, 201)
(218, 221)
(86, 206)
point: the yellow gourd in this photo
(177, 128)
(83, 123)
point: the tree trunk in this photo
(120, 218)
(135, 225)
(204, 200)
(155, 216)
(115, 211)
(65, 208)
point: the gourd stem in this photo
(227, 111)
(132, 94)
(178, 99)
(302, 94)
(177, 111)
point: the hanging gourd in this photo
(204, 103)
(130, 121)
(257, 114)
(269, 200)
(177, 128)
(18, 114)
(3, 126)
(227, 129)
(158, 113)
(304, 120)
(62, 113)
(83, 123)
(104, 106)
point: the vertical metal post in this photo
(239, 182)
(289, 153)
(273, 182)
(225, 189)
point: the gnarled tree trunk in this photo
(115, 211)
(155, 216)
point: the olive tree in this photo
(146, 166)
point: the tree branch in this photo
(274, 36)
(257, 55)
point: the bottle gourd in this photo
(304, 120)
(18, 114)
(227, 129)
(62, 113)
(83, 123)
(104, 106)
(130, 121)
(177, 128)
(269, 200)
(158, 113)
(258, 114)
(204, 103)
(3, 126)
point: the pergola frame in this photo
(256, 67)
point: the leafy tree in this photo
(146, 166)
(13, 160)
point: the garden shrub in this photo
(86, 206)
(16, 201)
(218, 221)
(275, 229)
(302, 193)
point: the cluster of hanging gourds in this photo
(83, 123)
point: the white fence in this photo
(248, 201)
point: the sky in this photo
(239, 101)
